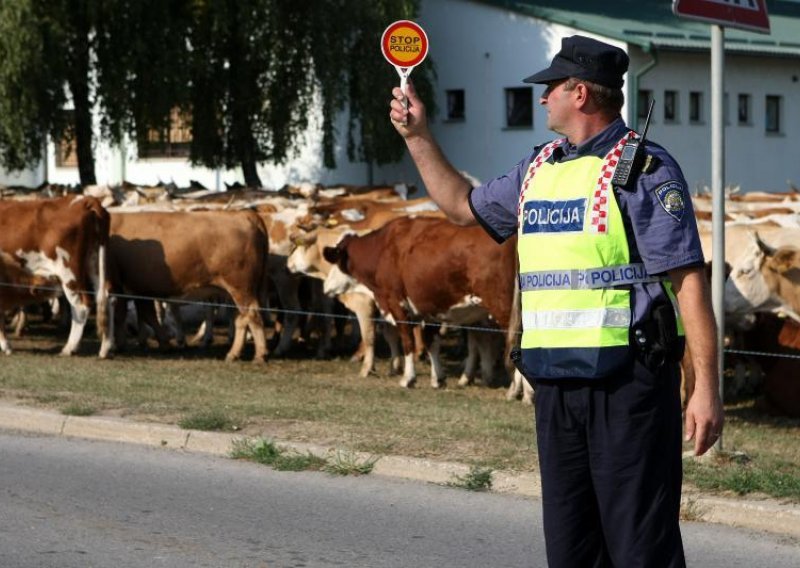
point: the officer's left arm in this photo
(663, 222)
(704, 414)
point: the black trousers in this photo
(610, 461)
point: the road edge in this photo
(768, 515)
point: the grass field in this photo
(298, 399)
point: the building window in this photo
(168, 142)
(743, 109)
(726, 115)
(695, 106)
(455, 104)
(773, 114)
(66, 147)
(643, 103)
(670, 106)
(519, 107)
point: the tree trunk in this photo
(79, 86)
(251, 177)
(83, 133)
(241, 81)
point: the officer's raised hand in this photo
(408, 119)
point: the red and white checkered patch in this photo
(540, 158)
(598, 220)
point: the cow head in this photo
(764, 280)
(339, 280)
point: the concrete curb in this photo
(765, 515)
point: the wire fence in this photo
(267, 310)
(318, 314)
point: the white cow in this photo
(764, 279)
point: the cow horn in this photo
(764, 247)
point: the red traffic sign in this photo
(404, 44)
(745, 14)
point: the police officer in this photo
(611, 282)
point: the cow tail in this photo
(103, 220)
(264, 281)
(102, 291)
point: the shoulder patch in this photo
(670, 196)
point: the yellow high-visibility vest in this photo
(575, 269)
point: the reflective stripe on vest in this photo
(568, 319)
(604, 277)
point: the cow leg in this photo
(172, 319)
(520, 387)
(256, 326)
(19, 322)
(147, 312)
(120, 316)
(286, 285)
(248, 317)
(4, 348)
(364, 308)
(407, 341)
(471, 362)
(80, 314)
(142, 309)
(392, 337)
(515, 389)
(104, 318)
(326, 305)
(419, 342)
(433, 342)
(108, 343)
(489, 349)
(527, 392)
(240, 326)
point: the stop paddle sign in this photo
(404, 45)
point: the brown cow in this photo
(63, 240)
(307, 258)
(189, 255)
(431, 270)
(18, 287)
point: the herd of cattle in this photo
(298, 250)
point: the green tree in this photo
(121, 58)
(141, 65)
(262, 67)
(33, 72)
(247, 74)
(249, 87)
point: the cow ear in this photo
(785, 259)
(331, 254)
(764, 247)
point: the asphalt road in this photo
(75, 503)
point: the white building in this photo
(489, 119)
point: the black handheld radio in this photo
(630, 162)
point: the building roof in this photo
(650, 24)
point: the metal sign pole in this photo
(718, 195)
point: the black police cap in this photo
(588, 59)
